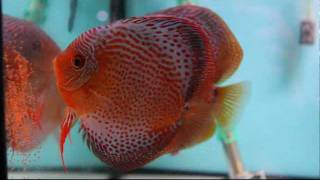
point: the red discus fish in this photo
(147, 86)
(33, 107)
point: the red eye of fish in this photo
(78, 63)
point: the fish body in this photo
(33, 107)
(226, 56)
(220, 36)
(142, 87)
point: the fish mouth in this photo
(56, 69)
(59, 76)
(54, 61)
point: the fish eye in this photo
(78, 63)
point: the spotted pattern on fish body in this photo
(147, 69)
(18, 101)
(162, 42)
(28, 72)
(220, 36)
(126, 44)
(201, 116)
(120, 145)
(30, 41)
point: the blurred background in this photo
(278, 129)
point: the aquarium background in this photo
(278, 129)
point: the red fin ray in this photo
(66, 126)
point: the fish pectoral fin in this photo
(227, 102)
(67, 124)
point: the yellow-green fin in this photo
(227, 102)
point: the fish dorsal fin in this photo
(226, 49)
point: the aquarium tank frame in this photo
(231, 151)
(3, 149)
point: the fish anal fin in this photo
(197, 127)
(202, 117)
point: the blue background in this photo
(278, 130)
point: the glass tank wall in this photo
(277, 130)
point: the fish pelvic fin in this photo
(67, 124)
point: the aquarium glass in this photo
(277, 129)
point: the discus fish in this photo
(147, 86)
(33, 105)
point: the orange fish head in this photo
(73, 68)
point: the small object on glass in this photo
(307, 32)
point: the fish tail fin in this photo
(66, 126)
(227, 103)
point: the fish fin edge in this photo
(227, 102)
